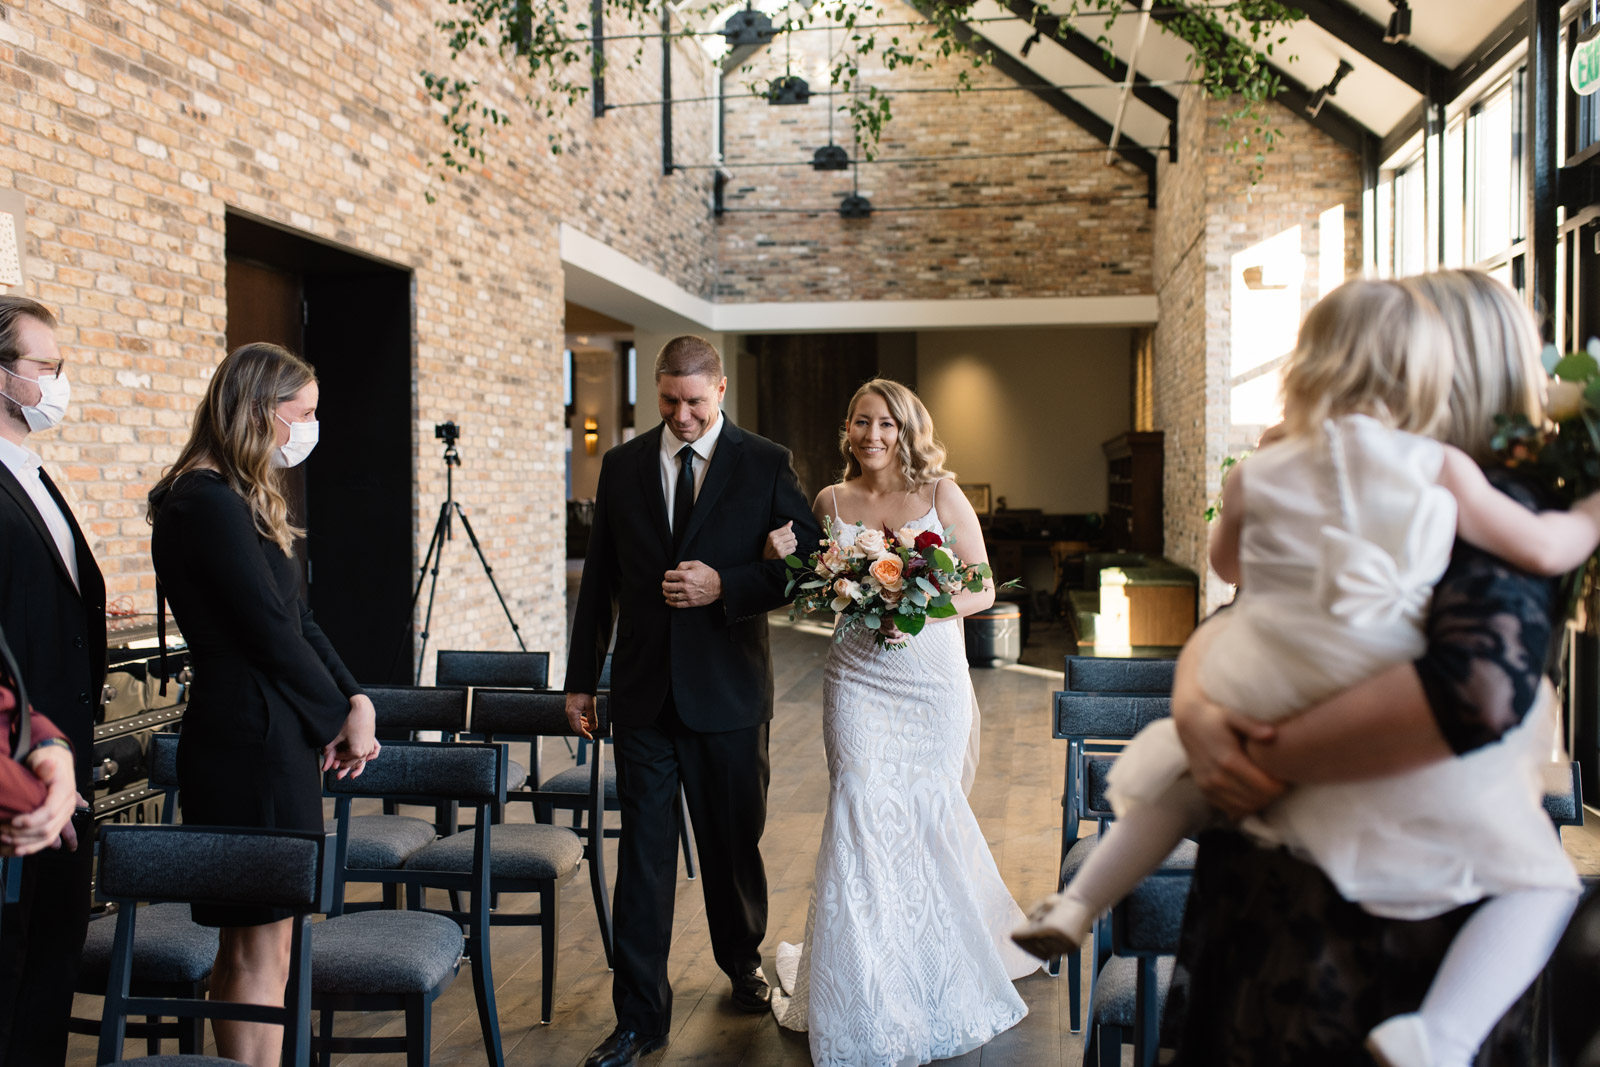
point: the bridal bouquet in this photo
(904, 577)
(1562, 455)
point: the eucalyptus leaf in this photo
(910, 625)
(927, 586)
(948, 611)
(793, 562)
(1577, 367)
(815, 583)
(870, 622)
(942, 560)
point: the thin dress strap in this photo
(834, 493)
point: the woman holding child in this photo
(1276, 966)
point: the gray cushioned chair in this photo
(403, 960)
(497, 670)
(221, 865)
(172, 954)
(1103, 704)
(386, 841)
(582, 790)
(524, 857)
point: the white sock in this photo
(1497, 955)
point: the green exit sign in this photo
(1585, 72)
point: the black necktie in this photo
(683, 501)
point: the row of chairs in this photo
(1103, 703)
(371, 961)
(410, 854)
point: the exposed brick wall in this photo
(132, 128)
(1207, 213)
(1093, 238)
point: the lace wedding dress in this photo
(907, 955)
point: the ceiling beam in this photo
(1412, 66)
(1293, 95)
(1089, 52)
(1061, 100)
(1507, 36)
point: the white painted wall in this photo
(1026, 410)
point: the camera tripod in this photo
(442, 532)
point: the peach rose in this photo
(887, 572)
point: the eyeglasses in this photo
(52, 367)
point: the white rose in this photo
(845, 593)
(871, 543)
(907, 537)
(1565, 401)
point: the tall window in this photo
(1410, 219)
(1494, 176)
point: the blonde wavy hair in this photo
(1496, 346)
(921, 455)
(1370, 348)
(233, 432)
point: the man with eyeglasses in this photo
(53, 613)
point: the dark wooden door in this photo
(805, 381)
(266, 305)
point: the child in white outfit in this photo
(1336, 536)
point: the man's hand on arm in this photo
(692, 585)
(581, 715)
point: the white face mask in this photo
(302, 439)
(54, 395)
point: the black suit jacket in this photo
(57, 632)
(715, 660)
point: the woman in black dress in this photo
(1274, 966)
(271, 706)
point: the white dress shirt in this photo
(704, 449)
(24, 466)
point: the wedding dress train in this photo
(907, 955)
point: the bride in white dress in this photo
(907, 955)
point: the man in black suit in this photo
(53, 612)
(675, 560)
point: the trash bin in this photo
(994, 636)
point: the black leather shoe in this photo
(751, 992)
(623, 1048)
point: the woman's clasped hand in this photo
(357, 744)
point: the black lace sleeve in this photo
(1489, 630)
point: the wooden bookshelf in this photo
(1134, 492)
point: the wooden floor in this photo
(1016, 799)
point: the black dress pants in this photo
(41, 946)
(724, 778)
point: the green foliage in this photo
(1214, 509)
(1562, 454)
(546, 45)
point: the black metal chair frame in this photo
(418, 1008)
(190, 1033)
(294, 1016)
(497, 716)
(1084, 747)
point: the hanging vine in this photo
(547, 48)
